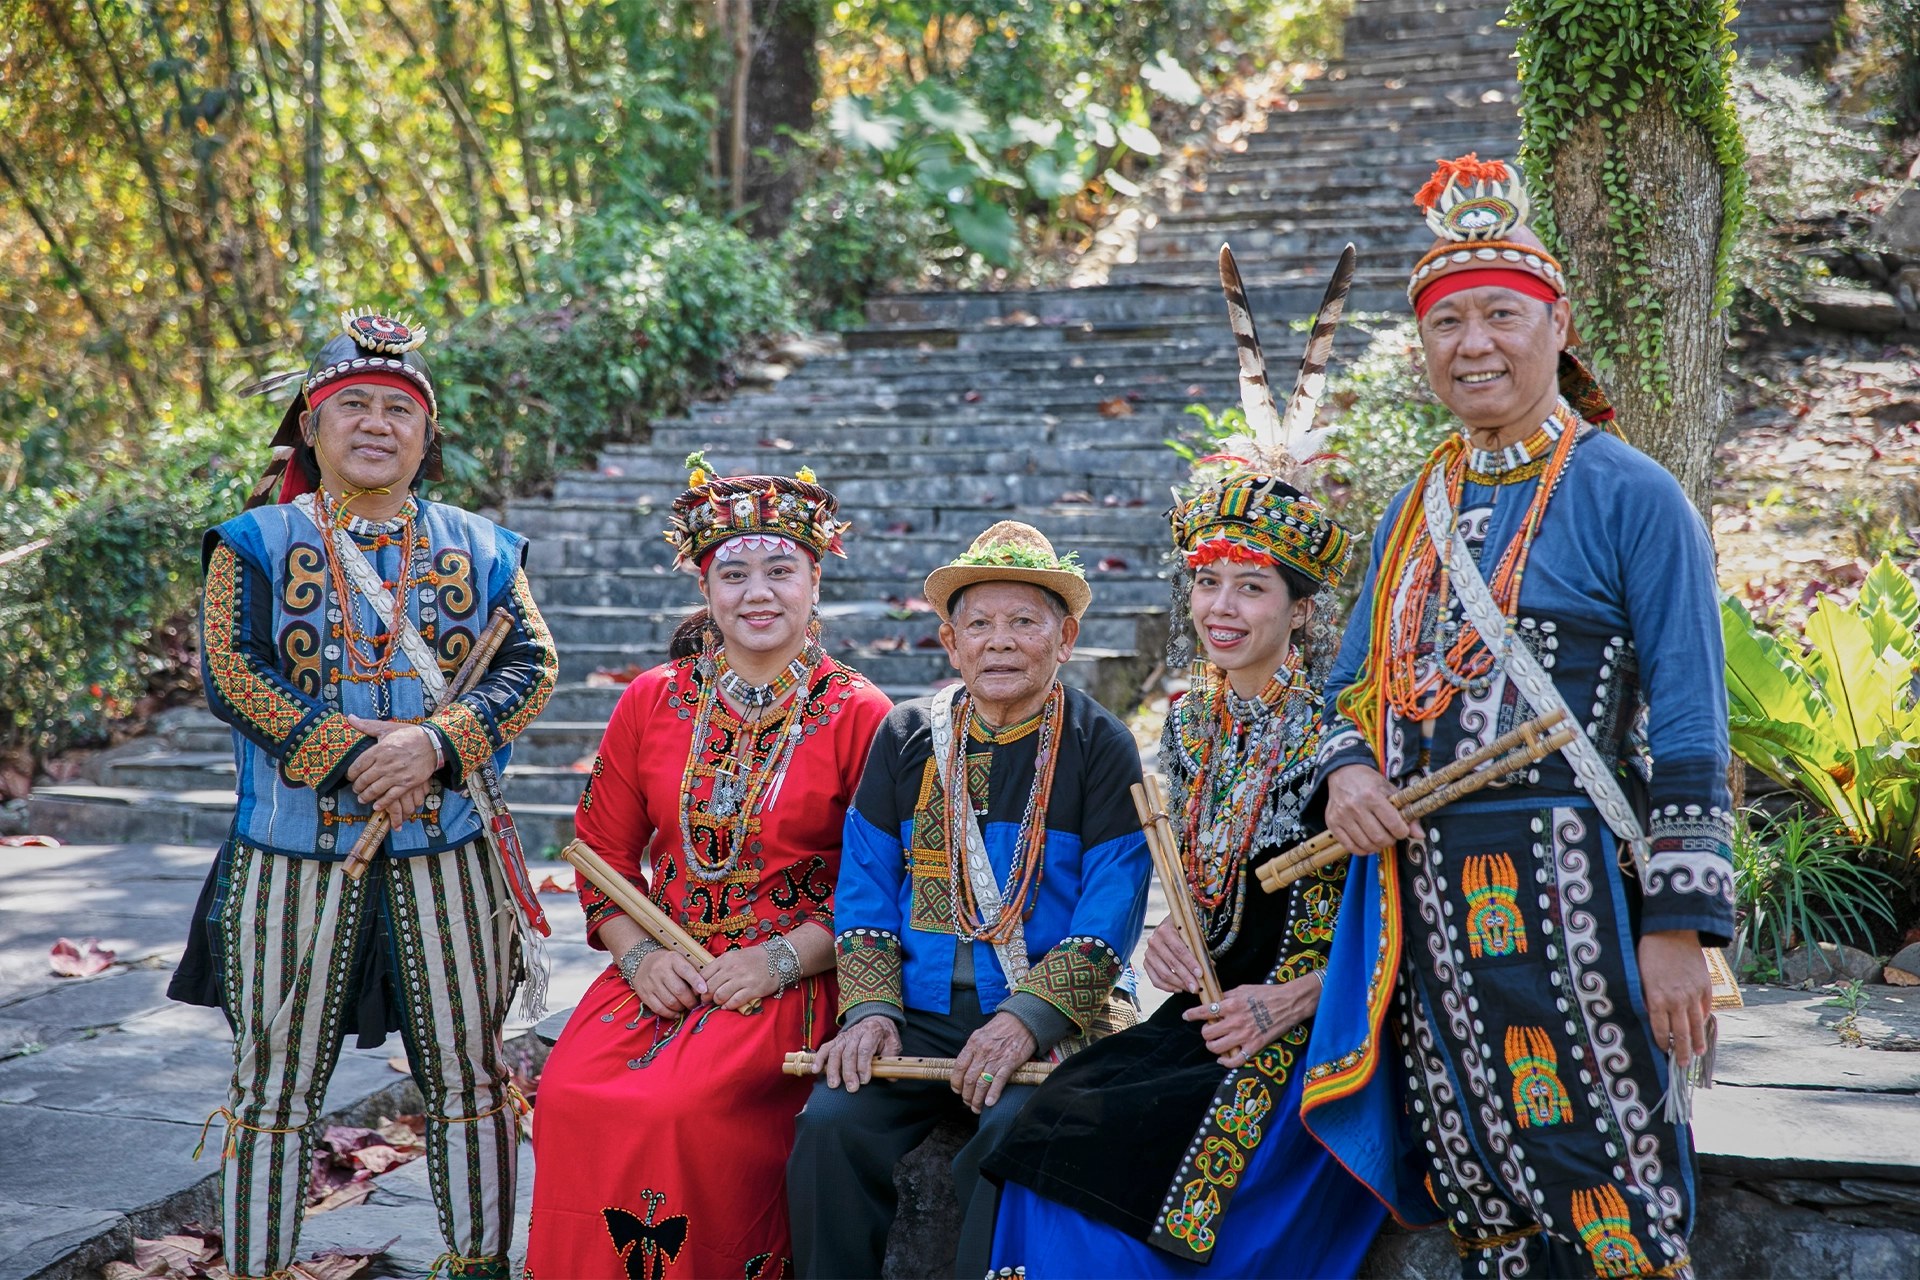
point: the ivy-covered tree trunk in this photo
(1669, 398)
(786, 80)
(1634, 160)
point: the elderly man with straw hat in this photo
(993, 881)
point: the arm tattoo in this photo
(1261, 1018)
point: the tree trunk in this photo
(786, 80)
(1675, 179)
(315, 175)
(737, 128)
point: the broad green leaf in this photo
(986, 228)
(1842, 659)
(850, 124)
(1888, 588)
(1040, 133)
(1049, 181)
(1138, 138)
(1762, 678)
(947, 110)
(1166, 77)
(1121, 183)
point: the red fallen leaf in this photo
(890, 644)
(1136, 502)
(927, 642)
(584, 764)
(612, 471)
(972, 397)
(918, 604)
(356, 1189)
(624, 676)
(558, 882)
(379, 1157)
(1135, 397)
(1111, 500)
(1076, 497)
(899, 526)
(21, 842)
(83, 959)
(1115, 408)
(1195, 391)
(1111, 564)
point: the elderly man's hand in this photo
(1360, 811)
(848, 1057)
(393, 775)
(1678, 991)
(993, 1053)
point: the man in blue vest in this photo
(333, 624)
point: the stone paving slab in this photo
(104, 1082)
(1807, 1133)
(402, 1206)
(1786, 1039)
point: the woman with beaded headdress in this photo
(1128, 1159)
(721, 785)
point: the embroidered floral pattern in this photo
(927, 862)
(268, 709)
(1492, 886)
(1606, 1228)
(870, 964)
(1076, 977)
(1539, 1099)
(321, 750)
(541, 688)
(468, 734)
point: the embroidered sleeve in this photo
(1075, 977)
(871, 967)
(515, 689)
(247, 689)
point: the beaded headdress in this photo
(1478, 209)
(1257, 518)
(717, 509)
(370, 348)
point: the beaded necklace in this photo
(1030, 846)
(1239, 747)
(1419, 687)
(369, 658)
(738, 793)
(758, 697)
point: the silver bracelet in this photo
(783, 963)
(630, 962)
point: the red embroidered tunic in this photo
(665, 1140)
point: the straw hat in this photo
(1011, 552)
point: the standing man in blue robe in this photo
(1517, 987)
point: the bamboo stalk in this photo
(1323, 850)
(471, 672)
(807, 1064)
(1151, 805)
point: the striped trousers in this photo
(291, 928)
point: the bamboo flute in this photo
(1151, 804)
(805, 1064)
(641, 909)
(1441, 788)
(479, 658)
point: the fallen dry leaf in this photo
(1076, 497)
(556, 882)
(1115, 408)
(1111, 564)
(604, 678)
(83, 959)
(21, 842)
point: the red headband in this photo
(1515, 278)
(378, 378)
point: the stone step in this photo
(870, 555)
(626, 589)
(1067, 526)
(860, 624)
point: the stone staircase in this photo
(949, 411)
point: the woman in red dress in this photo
(664, 1122)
